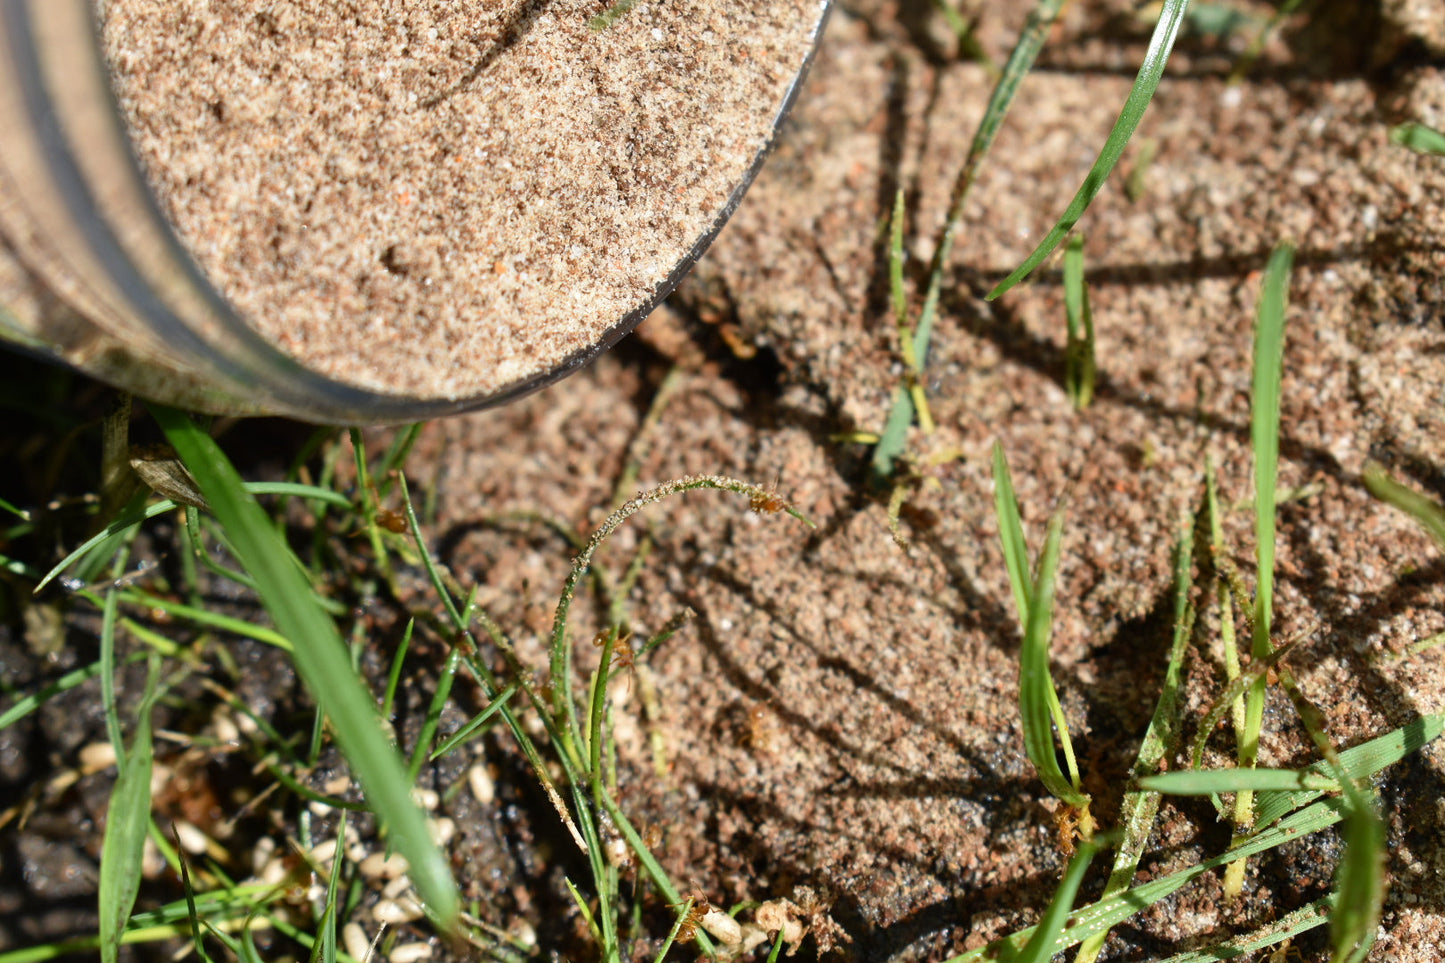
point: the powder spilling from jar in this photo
(445, 199)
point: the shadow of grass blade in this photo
(1166, 31)
(126, 822)
(320, 656)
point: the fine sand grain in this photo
(444, 199)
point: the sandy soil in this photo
(839, 719)
(838, 725)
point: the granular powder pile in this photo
(444, 198)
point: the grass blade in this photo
(1042, 945)
(1202, 782)
(1424, 510)
(1080, 367)
(1011, 532)
(1166, 31)
(1286, 927)
(1418, 137)
(1264, 431)
(1359, 882)
(321, 658)
(126, 823)
(1161, 739)
(1038, 703)
(1025, 52)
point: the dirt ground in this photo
(838, 725)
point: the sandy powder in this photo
(442, 198)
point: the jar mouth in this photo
(138, 263)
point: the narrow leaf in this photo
(1166, 31)
(321, 658)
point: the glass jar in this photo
(93, 275)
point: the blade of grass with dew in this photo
(1424, 510)
(320, 656)
(127, 820)
(1080, 367)
(890, 443)
(1166, 31)
(1161, 740)
(1360, 762)
(1418, 137)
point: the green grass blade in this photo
(1286, 927)
(1100, 916)
(472, 725)
(1264, 431)
(126, 824)
(1026, 50)
(1161, 739)
(1043, 944)
(1418, 137)
(321, 658)
(1037, 699)
(1359, 882)
(1360, 762)
(1166, 31)
(1080, 366)
(1011, 532)
(1424, 510)
(1202, 782)
(132, 519)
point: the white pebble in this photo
(396, 887)
(426, 798)
(410, 953)
(192, 840)
(384, 866)
(724, 927)
(441, 830)
(394, 912)
(483, 789)
(97, 756)
(353, 937)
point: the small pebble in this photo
(483, 789)
(724, 927)
(353, 937)
(383, 866)
(97, 756)
(394, 912)
(410, 953)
